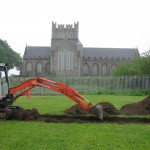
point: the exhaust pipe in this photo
(97, 110)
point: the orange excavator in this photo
(6, 102)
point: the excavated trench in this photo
(77, 114)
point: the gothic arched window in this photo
(95, 70)
(39, 67)
(28, 67)
(85, 69)
(47, 67)
(65, 60)
(104, 69)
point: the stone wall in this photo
(34, 67)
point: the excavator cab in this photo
(3, 69)
(4, 109)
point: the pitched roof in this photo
(33, 52)
(109, 52)
(37, 52)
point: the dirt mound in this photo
(77, 119)
(34, 115)
(24, 114)
(140, 108)
(108, 109)
(76, 110)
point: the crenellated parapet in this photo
(65, 31)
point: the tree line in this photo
(138, 66)
(9, 56)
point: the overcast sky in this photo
(102, 23)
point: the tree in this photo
(139, 66)
(125, 68)
(143, 63)
(9, 56)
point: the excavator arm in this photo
(51, 85)
(22, 89)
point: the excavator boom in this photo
(51, 85)
(22, 89)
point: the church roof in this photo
(37, 52)
(43, 52)
(109, 53)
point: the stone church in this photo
(68, 57)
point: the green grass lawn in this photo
(19, 135)
(57, 104)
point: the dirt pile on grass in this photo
(76, 110)
(140, 108)
(34, 115)
(28, 114)
(108, 109)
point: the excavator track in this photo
(5, 113)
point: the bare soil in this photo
(77, 114)
(33, 115)
(108, 109)
(76, 110)
(140, 108)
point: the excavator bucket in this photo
(97, 110)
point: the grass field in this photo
(57, 104)
(19, 135)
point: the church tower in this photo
(66, 54)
